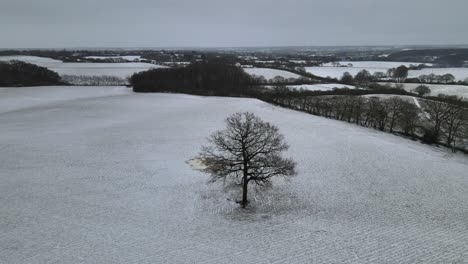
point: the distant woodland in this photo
(200, 78)
(18, 73)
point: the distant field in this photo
(271, 73)
(407, 98)
(460, 73)
(320, 87)
(436, 89)
(378, 66)
(121, 70)
(128, 57)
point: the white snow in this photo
(298, 61)
(460, 73)
(320, 87)
(126, 57)
(377, 64)
(271, 73)
(416, 102)
(407, 98)
(105, 179)
(122, 70)
(19, 98)
(337, 72)
(436, 89)
(382, 66)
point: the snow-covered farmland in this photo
(337, 72)
(436, 89)
(15, 99)
(269, 74)
(121, 70)
(127, 57)
(407, 98)
(460, 74)
(379, 66)
(327, 70)
(376, 64)
(320, 87)
(104, 179)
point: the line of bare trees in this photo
(434, 121)
(103, 80)
(399, 75)
(281, 80)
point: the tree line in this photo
(399, 75)
(102, 80)
(437, 121)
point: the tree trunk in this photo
(244, 193)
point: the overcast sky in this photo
(230, 23)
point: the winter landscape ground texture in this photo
(269, 74)
(105, 179)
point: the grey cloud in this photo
(208, 23)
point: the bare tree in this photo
(437, 113)
(447, 78)
(376, 114)
(248, 150)
(347, 78)
(394, 109)
(379, 75)
(453, 124)
(409, 118)
(400, 73)
(362, 77)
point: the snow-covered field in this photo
(121, 70)
(379, 66)
(337, 72)
(271, 73)
(127, 57)
(407, 98)
(460, 73)
(320, 87)
(104, 179)
(436, 89)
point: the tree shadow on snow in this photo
(265, 202)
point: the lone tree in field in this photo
(422, 90)
(400, 73)
(247, 150)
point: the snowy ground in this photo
(127, 57)
(121, 70)
(104, 179)
(436, 89)
(378, 66)
(271, 73)
(320, 87)
(460, 73)
(407, 98)
(327, 70)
